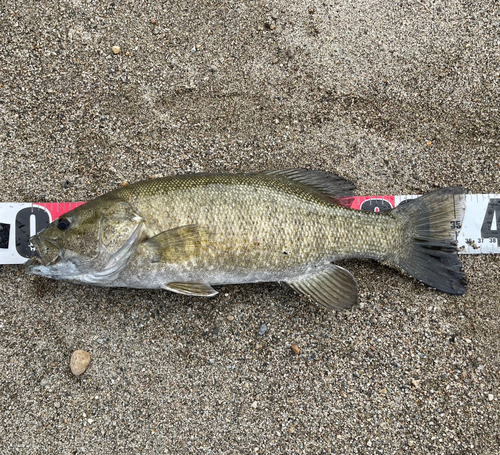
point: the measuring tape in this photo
(479, 232)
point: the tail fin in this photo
(430, 248)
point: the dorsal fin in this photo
(325, 183)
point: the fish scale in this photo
(247, 235)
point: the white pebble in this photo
(79, 362)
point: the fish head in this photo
(90, 244)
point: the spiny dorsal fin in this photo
(176, 245)
(326, 183)
(334, 288)
(191, 288)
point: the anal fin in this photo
(191, 288)
(334, 288)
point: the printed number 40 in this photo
(492, 214)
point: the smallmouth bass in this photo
(187, 233)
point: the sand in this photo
(398, 97)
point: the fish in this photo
(188, 233)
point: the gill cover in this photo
(116, 226)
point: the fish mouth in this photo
(63, 270)
(47, 251)
(48, 261)
(33, 262)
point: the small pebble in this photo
(270, 24)
(116, 49)
(79, 362)
(230, 318)
(262, 329)
(295, 349)
(490, 397)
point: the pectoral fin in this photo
(199, 289)
(334, 288)
(175, 245)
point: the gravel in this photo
(399, 97)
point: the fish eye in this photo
(63, 224)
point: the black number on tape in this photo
(23, 228)
(376, 205)
(492, 211)
(4, 235)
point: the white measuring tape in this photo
(479, 233)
